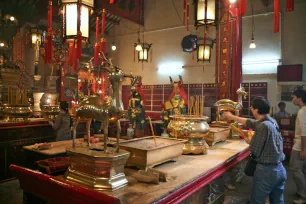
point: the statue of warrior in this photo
(176, 104)
(136, 109)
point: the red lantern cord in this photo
(187, 17)
(289, 5)
(71, 46)
(97, 29)
(193, 51)
(103, 23)
(184, 18)
(276, 15)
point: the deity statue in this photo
(176, 104)
(136, 109)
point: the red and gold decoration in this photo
(18, 47)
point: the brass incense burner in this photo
(3, 116)
(15, 112)
(50, 112)
(192, 128)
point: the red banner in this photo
(289, 5)
(242, 7)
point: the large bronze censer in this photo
(192, 128)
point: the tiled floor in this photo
(10, 193)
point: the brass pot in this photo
(50, 111)
(190, 127)
(183, 126)
(22, 111)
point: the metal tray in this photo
(145, 154)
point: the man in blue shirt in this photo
(267, 147)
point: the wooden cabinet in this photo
(13, 136)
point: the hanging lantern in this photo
(204, 52)
(205, 12)
(74, 18)
(143, 54)
(36, 36)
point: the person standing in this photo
(298, 153)
(267, 147)
(63, 123)
(282, 111)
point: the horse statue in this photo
(229, 105)
(107, 109)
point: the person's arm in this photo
(248, 123)
(302, 119)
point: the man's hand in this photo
(303, 155)
(227, 116)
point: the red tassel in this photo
(187, 17)
(71, 48)
(75, 56)
(289, 5)
(111, 1)
(276, 15)
(96, 54)
(184, 18)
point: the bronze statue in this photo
(107, 109)
(136, 109)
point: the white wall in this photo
(163, 28)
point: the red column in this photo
(236, 58)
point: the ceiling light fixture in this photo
(252, 44)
